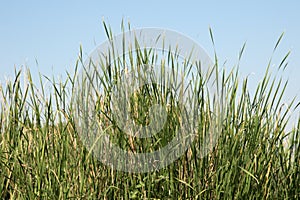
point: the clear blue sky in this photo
(52, 31)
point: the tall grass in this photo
(43, 157)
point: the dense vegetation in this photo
(42, 156)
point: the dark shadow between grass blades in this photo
(97, 79)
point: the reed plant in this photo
(42, 155)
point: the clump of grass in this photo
(42, 155)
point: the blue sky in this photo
(50, 32)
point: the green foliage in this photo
(42, 157)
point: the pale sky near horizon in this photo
(45, 36)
